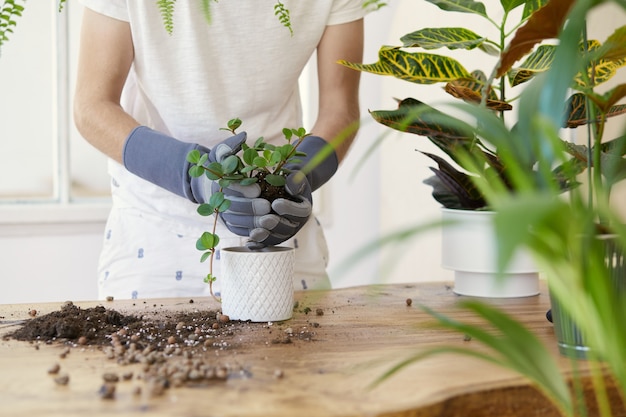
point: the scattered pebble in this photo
(82, 340)
(409, 302)
(54, 369)
(467, 338)
(107, 391)
(62, 380)
(32, 312)
(110, 298)
(110, 377)
(279, 374)
(65, 352)
(319, 312)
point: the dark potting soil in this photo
(172, 346)
(100, 326)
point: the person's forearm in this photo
(338, 112)
(104, 61)
(338, 127)
(104, 125)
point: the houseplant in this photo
(562, 233)
(247, 290)
(472, 155)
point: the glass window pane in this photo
(26, 106)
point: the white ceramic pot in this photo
(469, 248)
(257, 285)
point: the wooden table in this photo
(363, 332)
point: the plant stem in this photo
(215, 218)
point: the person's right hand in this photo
(162, 160)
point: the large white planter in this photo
(469, 248)
(257, 285)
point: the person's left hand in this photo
(290, 214)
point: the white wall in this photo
(49, 262)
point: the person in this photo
(146, 96)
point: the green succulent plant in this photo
(261, 163)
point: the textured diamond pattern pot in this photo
(469, 248)
(257, 285)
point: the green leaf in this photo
(415, 117)
(205, 209)
(508, 5)
(462, 6)
(196, 171)
(614, 48)
(230, 164)
(249, 155)
(224, 182)
(260, 162)
(513, 347)
(248, 181)
(275, 180)
(286, 150)
(259, 143)
(233, 124)
(214, 171)
(417, 67)
(224, 206)
(288, 133)
(205, 256)
(435, 38)
(275, 158)
(538, 61)
(193, 156)
(207, 241)
(531, 6)
(217, 199)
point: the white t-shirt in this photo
(244, 64)
(188, 84)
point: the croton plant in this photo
(526, 40)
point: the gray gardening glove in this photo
(293, 213)
(162, 160)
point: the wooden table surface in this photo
(363, 332)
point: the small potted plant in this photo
(474, 156)
(257, 283)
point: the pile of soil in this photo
(100, 326)
(170, 345)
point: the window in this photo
(43, 160)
